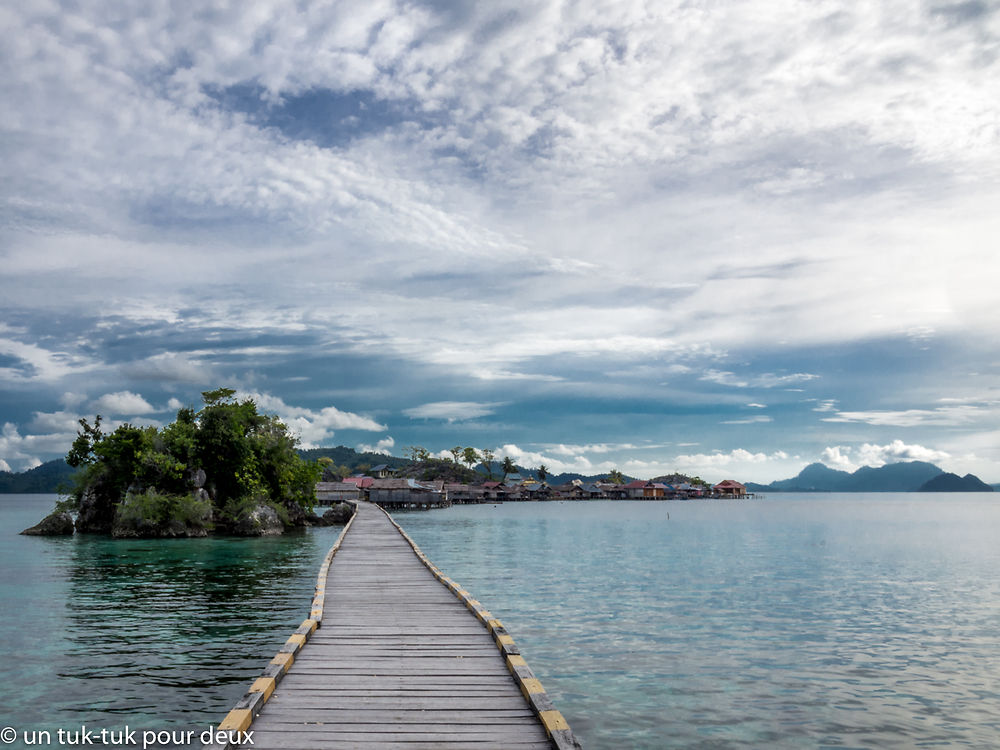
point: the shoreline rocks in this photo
(260, 520)
(57, 523)
(338, 514)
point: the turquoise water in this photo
(792, 622)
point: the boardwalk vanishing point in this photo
(395, 654)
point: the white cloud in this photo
(847, 458)
(313, 427)
(946, 416)
(561, 449)
(451, 411)
(826, 405)
(720, 459)
(54, 422)
(486, 373)
(555, 465)
(383, 446)
(175, 404)
(764, 380)
(4, 466)
(22, 451)
(37, 364)
(759, 419)
(72, 400)
(124, 403)
(837, 457)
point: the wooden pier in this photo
(394, 655)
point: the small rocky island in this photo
(224, 469)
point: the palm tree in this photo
(542, 472)
(508, 467)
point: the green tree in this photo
(82, 451)
(543, 472)
(616, 477)
(417, 453)
(508, 467)
(488, 458)
(470, 457)
(456, 453)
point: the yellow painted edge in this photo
(515, 660)
(505, 640)
(553, 721)
(263, 685)
(531, 686)
(311, 624)
(297, 638)
(493, 624)
(285, 660)
(237, 720)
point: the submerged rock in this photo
(57, 523)
(339, 513)
(259, 520)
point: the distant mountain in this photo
(954, 483)
(907, 476)
(816, 478)
(47, 478)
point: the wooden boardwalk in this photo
(402, 660)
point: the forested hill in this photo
(351, 459)
(47, 478)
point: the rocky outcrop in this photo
(338, 514)
(144, 528)
(258, 520)
(57, 523)
(95, 515)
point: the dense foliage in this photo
(227, 454)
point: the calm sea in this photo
(850, 621)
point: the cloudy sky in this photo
(727, 238)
